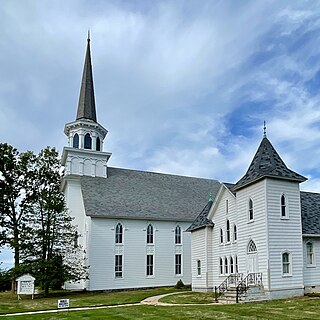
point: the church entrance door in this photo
(252, 258)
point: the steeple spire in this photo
(86, 105)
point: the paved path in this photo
(153, 301)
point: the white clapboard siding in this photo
(134, 250)
(256, 230)
(219, 217)
(198, 252)
(284, 234)
(311, 273)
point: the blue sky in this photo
(182, 86)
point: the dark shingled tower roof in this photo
(86, 105)
(267, 163)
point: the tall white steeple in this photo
(84, 154)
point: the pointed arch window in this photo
(252, 247)
(236, 263)
(150, 234)
(226, 265)
(250, 212)
(235, 233)
(228, 231)
(98, 144)
(75, 142)
(221, 266)
(231, 265)
(87, 141)
(177, 233)
(283, 206)
(119, 233)
(221, 236)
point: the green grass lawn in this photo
(190, 298)
(10, 304)
(296, 308)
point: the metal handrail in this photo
(232, 279)
(252, 279)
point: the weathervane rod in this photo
(264, 129)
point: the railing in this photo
(232, 279)
(252, 279)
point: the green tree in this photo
(14, 227)
(52, 252)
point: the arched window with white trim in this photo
(231, 265)
(283, 206)
(221, 266)
(235, 235)
(87, 141)
(226, 270)
(286, 263)
(221, 236)
(228, 231)
(250, 210)
(75, 141)
(310, 253)
(177, 235)
(150, 234)
(119, 233)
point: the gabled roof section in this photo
(310, 212)
(86, 105)
(267, 163)
(202, 220)
(134, 194)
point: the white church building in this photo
(145, 229)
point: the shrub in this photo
(179, 284)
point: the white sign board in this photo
(63, 303)
(25, 284)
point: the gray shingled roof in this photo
(310, 212)
(86, 105)
(202, 220)
(146, 195)
(267, 163)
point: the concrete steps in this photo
(253, 294)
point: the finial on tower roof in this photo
(264, 129)
(88, 39)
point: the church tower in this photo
(84, 154)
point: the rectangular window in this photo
(227, 207)
(178, 264)
(118, 266)
(310, 254)
(150, 265)
(198, 267)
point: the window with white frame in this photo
(221, 236)
(177, 233)
(226, 265)
(198, 267)
(286, 263)
(310, 253)
(283, 206)
(221, 266)
(228, 231)
(227, 206)
(235, 233)
(236, 264)
(118, 266)
(150, 234)
(149, 264)
(231, 265)
(119, 233)
(250, 210)
(178, 264)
